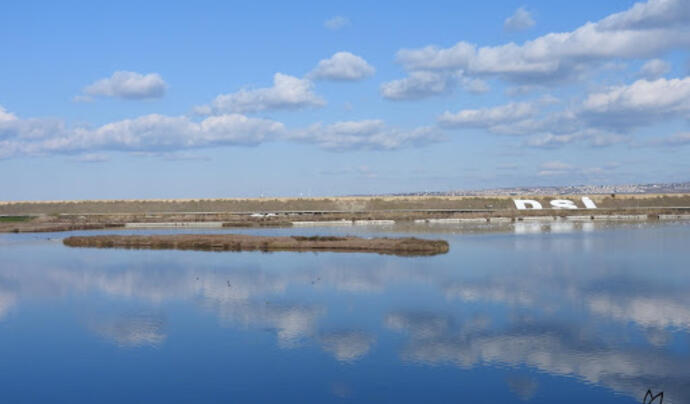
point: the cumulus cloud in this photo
(642, 31)
(554, 168)
(474, 86)
(641, 103)
(336, 23)
(91, 158)
(6, 116)
(417, 85)
(487, 117)
(127, 85)
(146, 133)
(655, 68)
(161, 135)
(551, 141)
(342, 66)
(679, 139)
(593, 137)
(602, 118)
(645, 30)
(423, 84)
(288, 92)
(520, 21)
(516, 118)
(368, 134)
(650, 15)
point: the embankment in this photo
(286, 212)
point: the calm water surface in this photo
(534, 313)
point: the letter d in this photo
(521, 204)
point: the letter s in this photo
(563, 204)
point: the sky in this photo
(212, 99)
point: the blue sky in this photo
(221, 99)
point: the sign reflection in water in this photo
(545, 313)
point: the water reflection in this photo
(609, 309)
(346, 345)
(558, 350)
(524, 387)
(291, 323)
(131, 330)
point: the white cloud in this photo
(551, 168)
(423, 84)
(593, 137)
(342, 66)
(288, 92)
(487, 117)
(602, 119)
(551, 141)
(127, 85)
(655, 68)
(474, 86)
(6, 116)
(417, 85)
(555, 165)
(167, 136)
(520, 21)
(336, 23)
(679, 139)
(640, 103)
(635, 33)
(147, 133)
(367, 134)
(29, 129)
(91, 158)
(650, 15)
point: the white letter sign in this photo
(522, 204)
(563, 204)
(589, 204)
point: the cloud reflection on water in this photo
(346, 345)
(543, 305)
(132, 330)
(555, 350)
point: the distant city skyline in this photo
(216, 99)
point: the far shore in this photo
(23, 217)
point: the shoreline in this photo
(63, 225)
(351, 211)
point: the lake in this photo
(525, 313)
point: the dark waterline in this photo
(538, 313)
